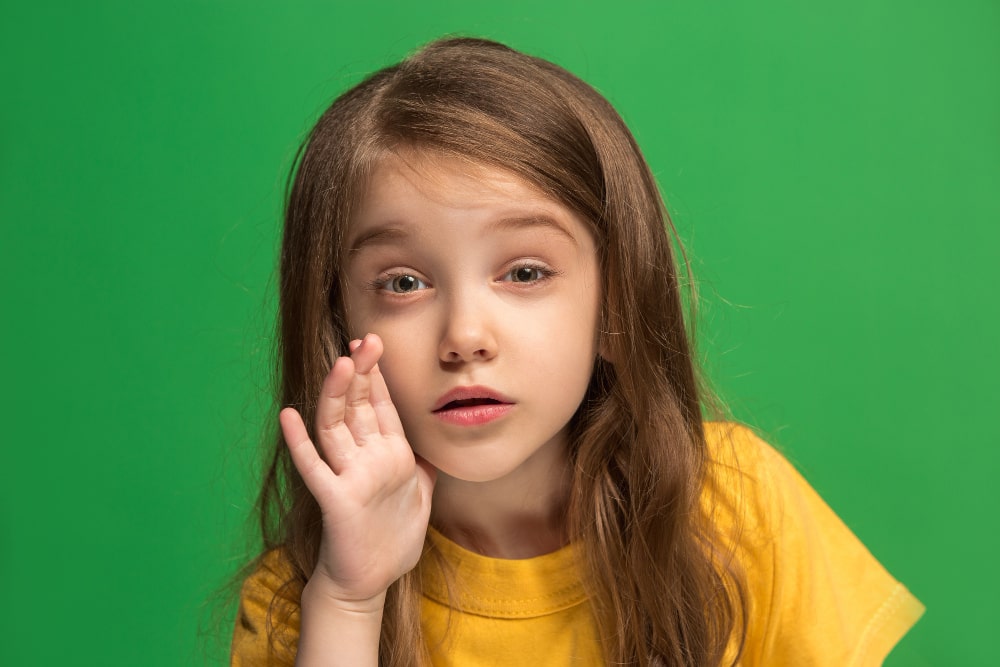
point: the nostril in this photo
(464, 341)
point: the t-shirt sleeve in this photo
(267, 623)
(817, 595)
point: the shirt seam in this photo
(878, 620)
(492, 608)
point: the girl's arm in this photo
(375, 499)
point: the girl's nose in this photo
(468, 334)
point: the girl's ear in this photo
(604, 348)
(605, 337)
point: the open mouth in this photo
(468, 403)
(475, 405)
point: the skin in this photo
(458, 276)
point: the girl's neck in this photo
(518, 516)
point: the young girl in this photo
(496, 452)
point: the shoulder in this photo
(736, 451)
(766, 498)
(816, 594)
(745, 481)
(267, 623)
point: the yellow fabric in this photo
(524, 612)
(817, 596)
(251, 646)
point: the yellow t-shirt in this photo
(817, 596)
(517, 612)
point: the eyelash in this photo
(544, 273)
(382, 282)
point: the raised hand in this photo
(375, 496)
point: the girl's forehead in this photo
(413, 191)
(401, 180)
(430, 170)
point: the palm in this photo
(374, 494)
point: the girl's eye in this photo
(403, 283)
(527, 274)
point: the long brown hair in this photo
(662, 588)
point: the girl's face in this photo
(487, 297)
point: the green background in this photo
(833, 169)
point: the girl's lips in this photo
(467, 397)
(474, 415)
(472, 406)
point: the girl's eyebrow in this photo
(390, 234)
(382, 234)
(542, 220)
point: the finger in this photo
(335, 439)
(314, 471)
(385, 410)
(359, 413)
(366, 353)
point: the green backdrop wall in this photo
(833, 169)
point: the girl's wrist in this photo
(337, 630)
(322, 593)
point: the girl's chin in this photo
(463, 474)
